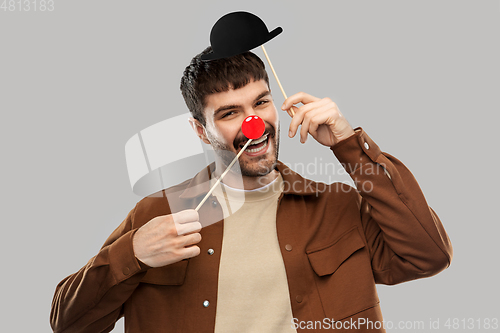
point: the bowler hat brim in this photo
(233, 50)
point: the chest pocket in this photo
(327, 260)
(170, 275)
(344, 277)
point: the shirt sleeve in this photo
(91, 300)
(405, 237)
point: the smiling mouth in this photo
(256, 145)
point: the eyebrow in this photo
(235, 106)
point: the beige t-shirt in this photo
(253, 291)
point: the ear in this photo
(198, 129)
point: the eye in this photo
(227, 114)
(262, 102)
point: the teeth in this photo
(257, 149)
(259, 140)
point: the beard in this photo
(258, 165)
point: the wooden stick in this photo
(222, 176)
(276, 76)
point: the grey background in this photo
(421, 77)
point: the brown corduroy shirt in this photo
(336, 243)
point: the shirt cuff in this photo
(122, 261)
(356, 150)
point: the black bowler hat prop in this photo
(238, 32)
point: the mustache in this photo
(240, 139)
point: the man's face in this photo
(224, 114)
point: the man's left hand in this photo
(319, 117)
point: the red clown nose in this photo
(253, 127)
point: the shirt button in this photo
(210, 251)
(288, 247)
(206, 304)
(298, 299)
(214, 203)
(367, 146)
(126, 271)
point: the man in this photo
(295, 256)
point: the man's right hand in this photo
(167, 239)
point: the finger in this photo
(185, 216)
(326, 115)
(300, 114)
(295, 122)
(309, 118)
(304, 127)
(190, 251)
(300, 97)
(187, 228)
(314, 105)
(191, 239)
(291, 111)
(315, 122)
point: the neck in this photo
(236, 180)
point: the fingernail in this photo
(290, 133)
